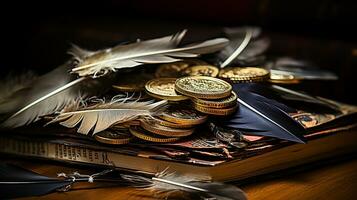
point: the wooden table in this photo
(337, 180)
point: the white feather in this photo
(167, 183)
(161, 50)
(29, 104)
(101, 117)
(14, 83)
(245, 46)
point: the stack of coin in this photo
(244, 74)
(209, 95)
(176, 121)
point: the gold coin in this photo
(130, 82)
(215, 111)
(141, 133)
(244, 74)
(114, 136)
(184, 115)
(283, 78)
(163, 88)
(219, 103)
(170, 124)
(127, 124)
(152, 127)
(203, 87)
(174, 70)
(201, 70)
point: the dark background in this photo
(37, 35)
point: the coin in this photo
(283, 78)
(141, 133)
(203, 87)
(184, 115)
(127, 124)
(170, 124)
(152, 127)
(244, 74)
(201, 70)
(174, 70)
(116, 136)
(132, 82)
(219, 103)
(163, 88)
(215, 111)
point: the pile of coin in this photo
(209, 95)
(175, 122)
(193, 93)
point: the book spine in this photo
(53, 151)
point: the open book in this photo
(329, 133)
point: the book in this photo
(264, 159)
(330, 131)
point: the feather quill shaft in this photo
(242, 46)
(179, 184)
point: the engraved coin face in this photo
(202, 70)
(163, 88)
(203, 87)
(174, 70)
(244, 74)
(183, 115)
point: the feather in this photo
(79, 54)
(48, 94)
(16, 182)
(265, 94)
(301, 69)
(236, 47)
(170, 182)
(13, 83)
(305, 101)
(290, 97)
(161, 50)
(260, 116)
(245, 47)
(45, 95)
(102, 116)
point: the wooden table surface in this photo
(337, 180)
